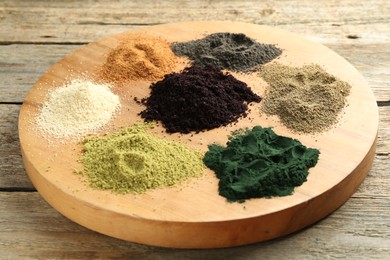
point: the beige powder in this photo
(76, 109)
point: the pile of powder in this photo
(306, 99)
(233, 51)
(197, 99)
(139, 57)
(133, 161)
(78, 108)
(259, 163)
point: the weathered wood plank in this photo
(28, 62)
(14, 176)
(383, 145)
(22, 65)
(105, 11)
(84, 22)
(29, 227)
(372, 61)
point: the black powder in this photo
(233, 51)
(197, 99)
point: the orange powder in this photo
(139, 57)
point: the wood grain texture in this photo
(356, 230)
(14, 176)
(30, 229)
(168, 220)
(27, 63)
(82, 22)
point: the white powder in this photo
(76, 109)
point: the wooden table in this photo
(34, 35)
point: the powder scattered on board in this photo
(139, 57)
(306, 99)
(197, 99)
(233, 51)
(76, 109)
(133, 161)
(259, 163)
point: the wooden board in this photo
(194, 215)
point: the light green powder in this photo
(133, 161)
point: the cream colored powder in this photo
(76, 109)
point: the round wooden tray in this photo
(193, 215)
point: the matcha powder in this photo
(133, 161)
(306, 99)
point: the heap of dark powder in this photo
(233, 51)
(197, 99)
(259, 163)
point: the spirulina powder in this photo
(258, 163)
(134, 161)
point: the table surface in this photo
(35, 35)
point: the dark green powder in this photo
(259, 163)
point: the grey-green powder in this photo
(307, 99)
(233, 51)
(133, 161)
